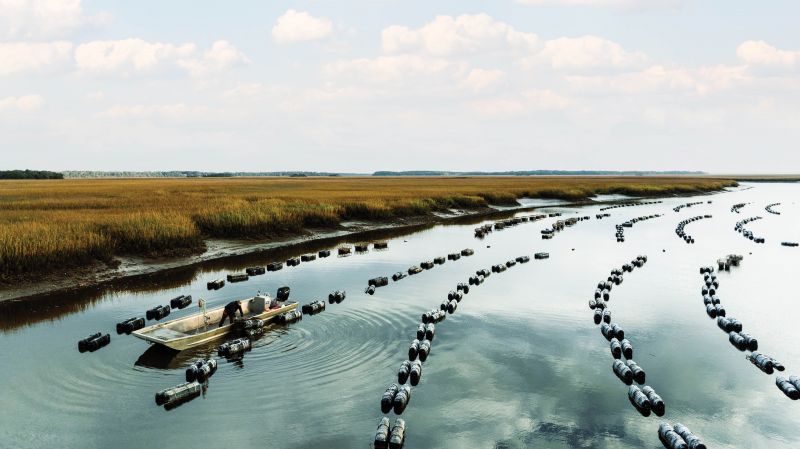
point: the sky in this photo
(359, 86)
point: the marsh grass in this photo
(45, 224)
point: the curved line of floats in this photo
(733, 327)
(398, 395)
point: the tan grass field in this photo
(54, 223)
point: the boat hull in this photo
(199, 329)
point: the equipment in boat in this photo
(201, 328)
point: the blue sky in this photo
(395, 85)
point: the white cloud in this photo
(24, 57)
(130, 56)
(762, 53)
(447, 35)
(481, 79)
(721, 77)
(635, 5)
(221, 57)
(586, 52)
(299, 26)
(118, 57)
(36, 19)
(26, 103)
(394, 69)
(658, 79)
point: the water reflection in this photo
(161, 357)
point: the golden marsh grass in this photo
(67, 222)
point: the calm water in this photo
(519, 365)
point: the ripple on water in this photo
(321, 347)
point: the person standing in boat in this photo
(230, 311)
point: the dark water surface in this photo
(519, 365)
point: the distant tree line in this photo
(30, 174)
(535, 173)
(188, 174)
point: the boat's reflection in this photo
(162, 357)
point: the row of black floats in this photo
(681, 206)
(560, 225)
(397, 396)
(428, 264)
(482, 230)
(715, 310)
(641, 203)
(644, 399)
(680, 229)
(738, 206)
(162, 311)
(620, 228)
(746, 233)
(737, 338)
(217, 284)
(770, 208)
(363, 247)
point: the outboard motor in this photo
(283, 293)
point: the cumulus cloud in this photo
(123, 57)
(636, 5)
(221, 57)
(587, 52)
(26, 103)
(481, 79)
(658, 79)
(762, 53)
(447, 35)
(130, 56)
(393, 68)
(24, 57)
(39, 19)
(300, 26)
